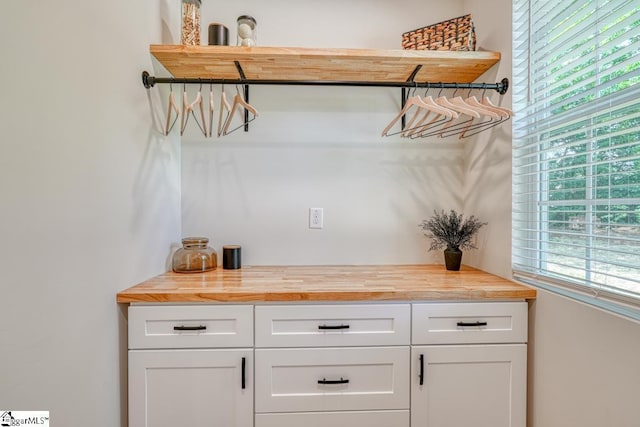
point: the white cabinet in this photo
(334, 419)
(469, 381)
(192, 326)
(338, 365)
(332, 325)
(391, 364)
(470, 385)
(180, 371)
(469, 322)
(195, 388)
(332, 379)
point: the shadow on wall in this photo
(488, 196)
(170, 19)
(156, 181)
(431, 176)
(374, 196)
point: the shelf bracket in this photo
(245, 88)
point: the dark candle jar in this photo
(194, 256)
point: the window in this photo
(576, 158)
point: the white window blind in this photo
(576, 159)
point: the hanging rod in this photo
(501, 87)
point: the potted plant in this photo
(453, 232)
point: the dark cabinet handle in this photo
(334, 327)
(244, 375)
(340, 381)
(472, 324)
(190, 328)
(421, 374)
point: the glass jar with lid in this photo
(190, 22)
(247, 31)
(194, 256)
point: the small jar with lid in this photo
(247, 31)
(190, 22)
(194, 256)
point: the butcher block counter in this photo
(327, 283)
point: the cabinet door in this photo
(469, 385)
(194, 388)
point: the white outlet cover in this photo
(316, 218)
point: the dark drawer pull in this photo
(244, 373)
(421, 375)
(340, 381)
(190, 328)
(332, 327)
(472, 324)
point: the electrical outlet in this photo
(316, 219)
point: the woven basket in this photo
(454, 34)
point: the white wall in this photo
(487, 190)
(583, 366)
(90, 201)
(321, 147)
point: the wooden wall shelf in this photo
(357, 65)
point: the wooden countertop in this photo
(326, 283)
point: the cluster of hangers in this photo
(196, 109)
(444, 117)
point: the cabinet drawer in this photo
(335, 419)
(333, 325)
(461, 323)
(190, 326)
(331, 379)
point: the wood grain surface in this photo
(282, 63)
(326, 283)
